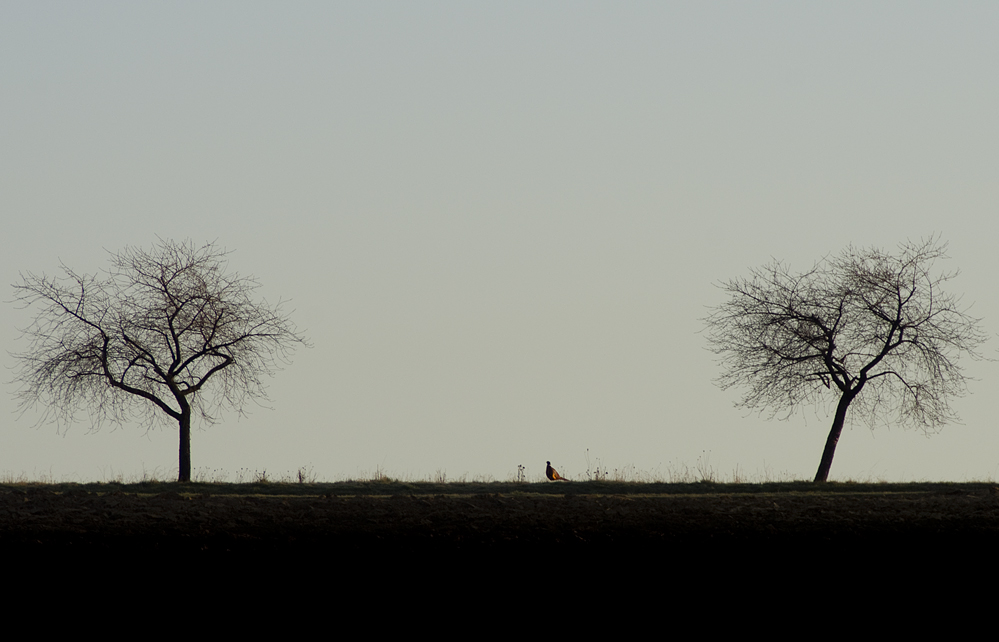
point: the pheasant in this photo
(553, 474)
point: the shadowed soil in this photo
(318, 522)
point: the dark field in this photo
(328, 523)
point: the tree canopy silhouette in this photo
(864, 321)
(163, 334)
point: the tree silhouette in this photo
(864, 321)
(163, 334)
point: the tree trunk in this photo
(184, 468)
(827, 455)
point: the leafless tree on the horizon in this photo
(162, 335)
(863, 321)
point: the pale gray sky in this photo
(500, 223)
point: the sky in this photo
(500, 224)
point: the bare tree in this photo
(864, 321)
(162, 335)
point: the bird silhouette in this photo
(553, 474)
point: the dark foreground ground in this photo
(598, 522)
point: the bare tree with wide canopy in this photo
(865, 321)
(164, 334)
